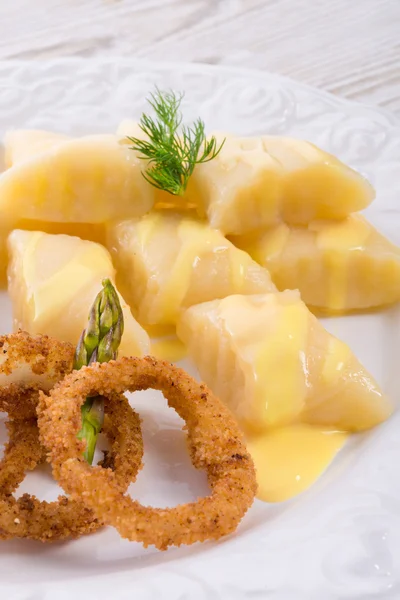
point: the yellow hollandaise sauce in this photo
(197, 264)
(165, 344)
(52, 281)
(290, 459)
(168, 348)
(336, 241)
(292, 386)
(194, 239)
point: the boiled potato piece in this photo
(271, 361)
(240, 189)
(53, 281)
(316, 185)
(92, 179)
(19, 146)
(256, 182)
(86, 231)
(337, 265)
(22, 144)
(232, 190)
(167, 261)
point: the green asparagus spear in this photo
(99, 342)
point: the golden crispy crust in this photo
(214, 439)
(31, 518)
(19, 401)
(28, 517)
(46, 355)
(43, 360)
(22, 453)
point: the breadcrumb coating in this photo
(27, 516)
(29, 364)
(214, 439)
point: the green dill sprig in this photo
(172, 149)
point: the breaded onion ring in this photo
(31, 518)
(214, 439)
(22, 453)
(29, 364)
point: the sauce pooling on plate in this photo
(288, 460)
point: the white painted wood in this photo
(348, 47)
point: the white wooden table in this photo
(348, 47)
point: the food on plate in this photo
(169, 261)
(170, 159)
(22, 144)
(27, 516)
(171, 150)
(242, 184)
(316, 185)
(98, 343)
(28, 364)
(257, 182)
(272, 362)
(165, 344)
(240, 190)
(86, 231)
(22, 453)
(337, 265)
(52, 281)
(83, 180)
(162, 196)
(294, 388)
(290, 459)
(215, 445)
(30, 361)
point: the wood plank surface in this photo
(347, 47)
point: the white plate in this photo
(341, 539)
